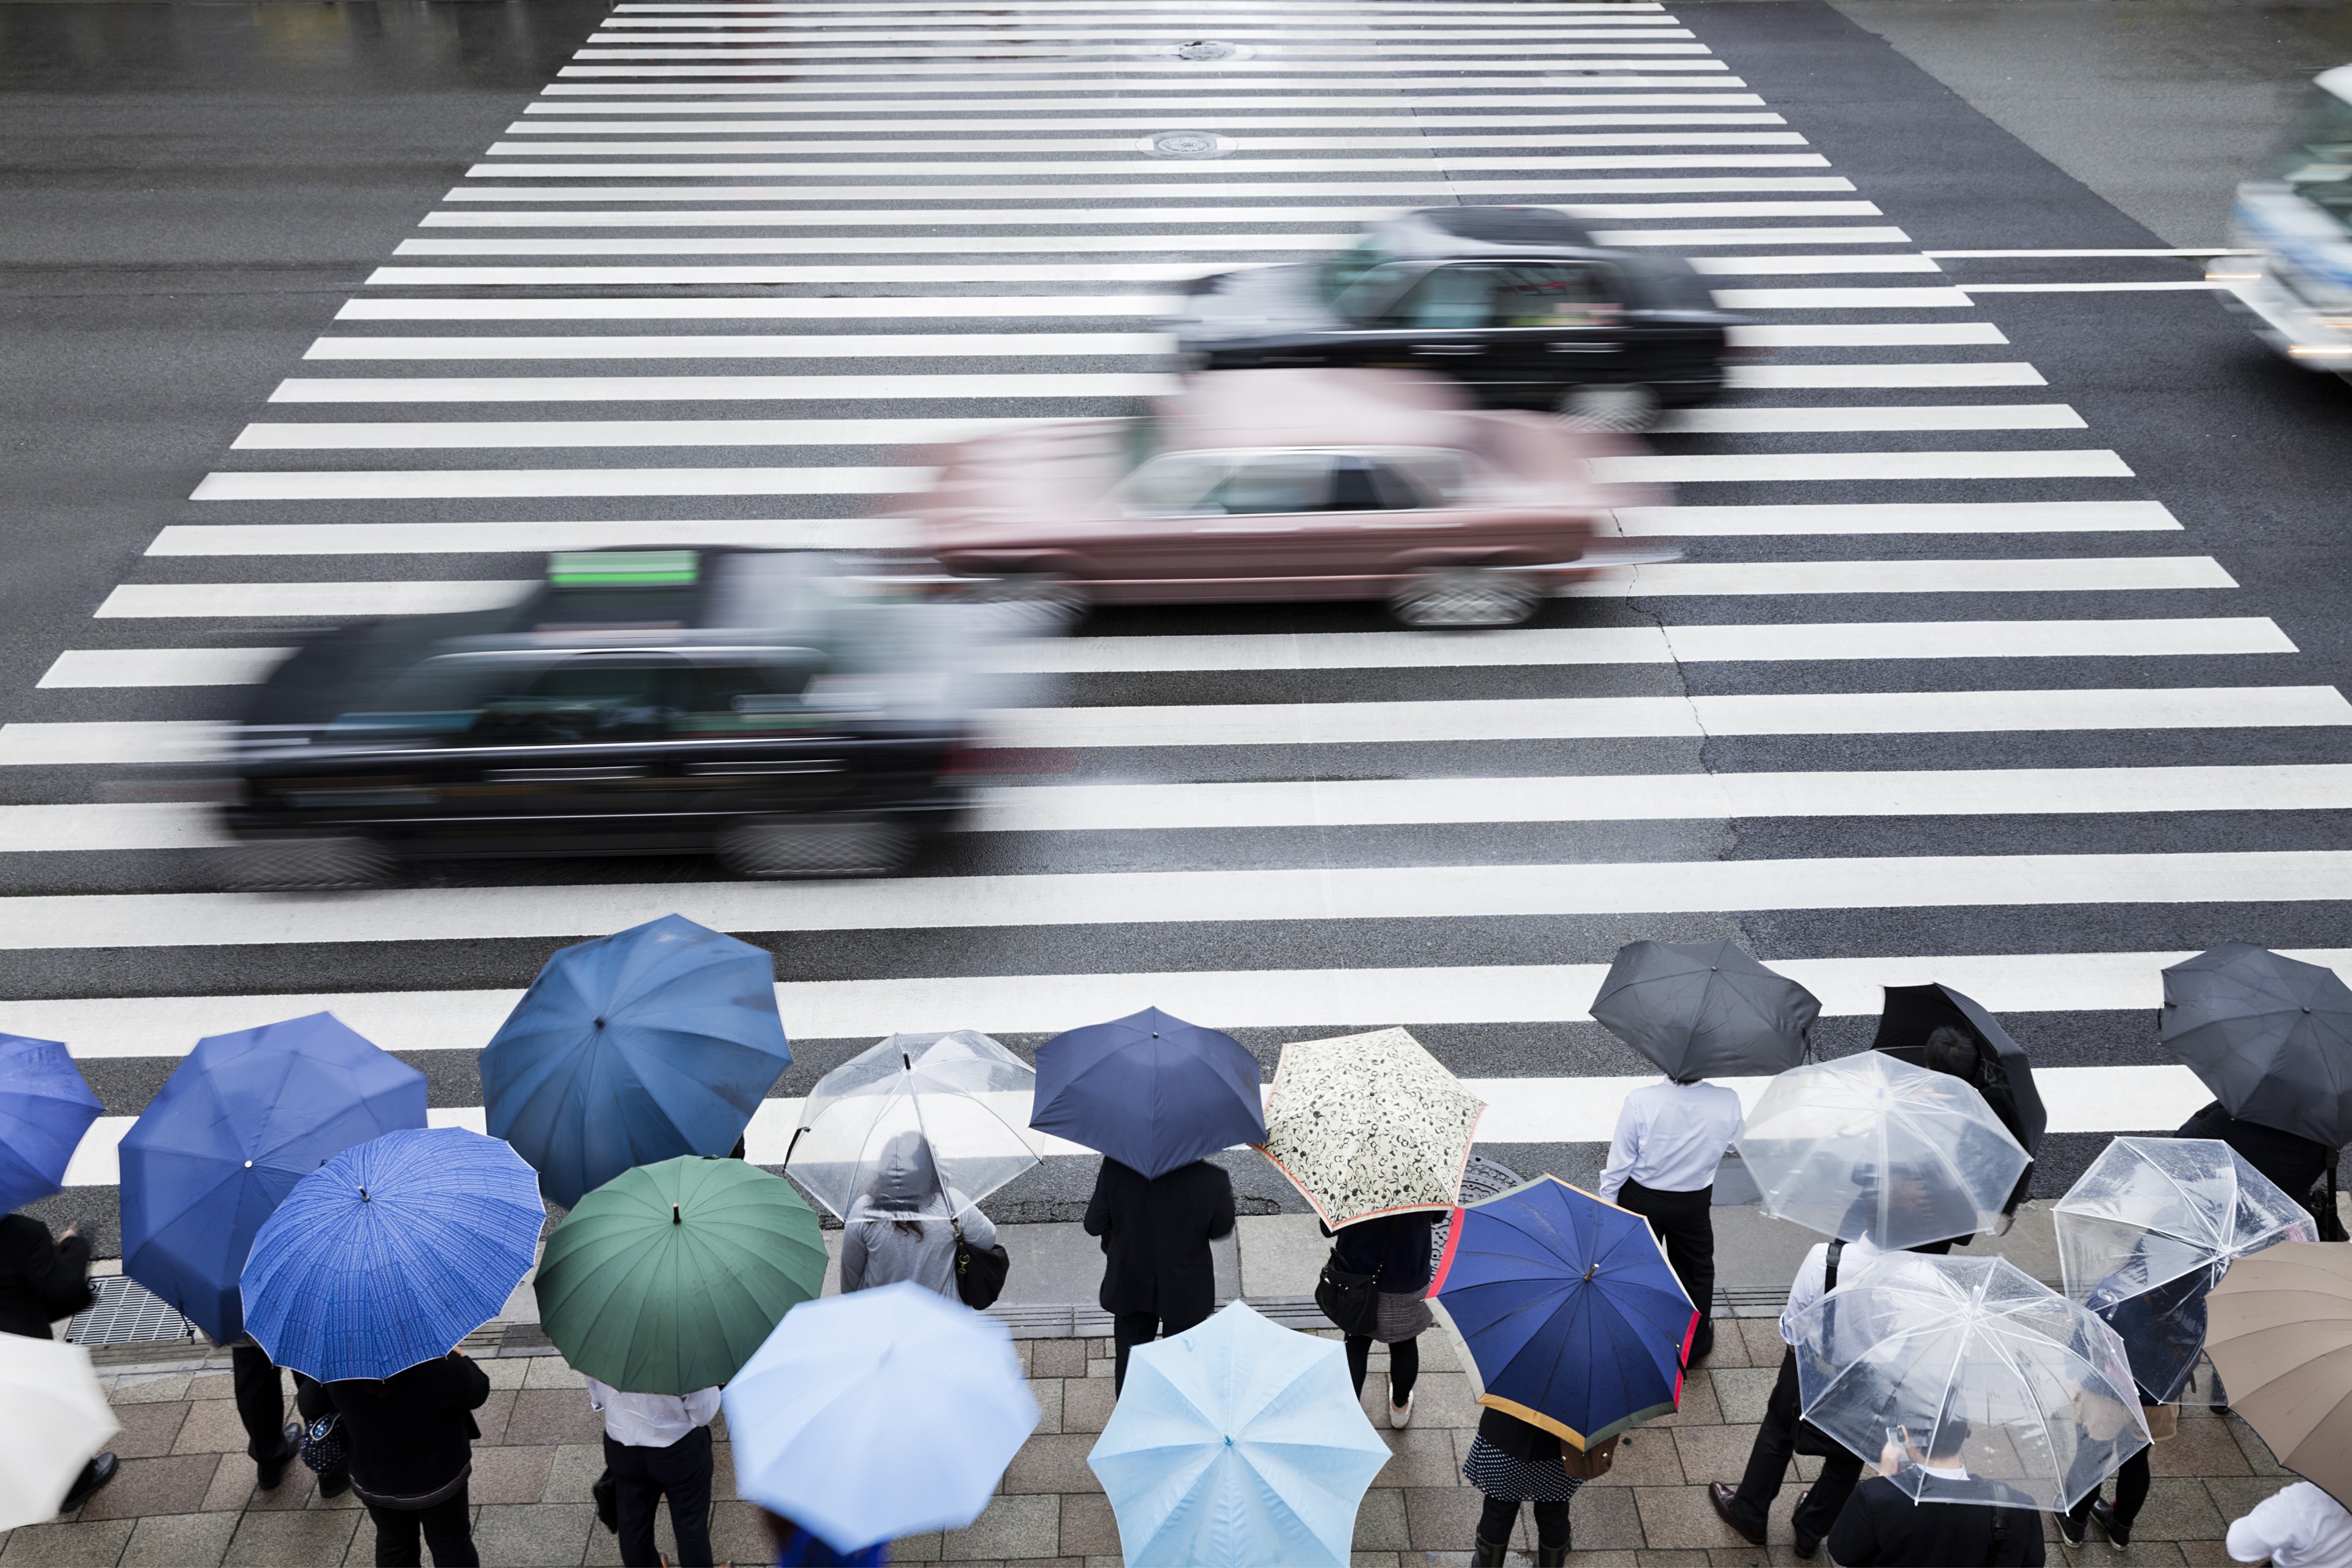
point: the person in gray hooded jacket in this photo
(903, 1225)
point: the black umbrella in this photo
(1912, 1016)
(2272, 1037)
(1705, 1009)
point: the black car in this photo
(1516, 302)
(779, 709)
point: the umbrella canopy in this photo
(57, 1418)
(2281, 1335)
(1237, 1443)
(1871, 1145)
(963, 1095)
(2151, 1227)
(2270, 1036)
(2003, 1076)
(1368, 1125)
(1151, 1091)
(1973, 1356)
(45, 1107)
(878, 1415)
(666, 1278)
(391, 1253)
(658, 1041)
(238, 1122)
(1705, 1009)
(1567, 1314)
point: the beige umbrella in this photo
(1368, 1125)
(58, 1418)
(2279, 1329)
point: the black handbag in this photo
(607, 1493)
(1808, 1439)
(322, 1444)
(979, 1270)
(1351, 1301)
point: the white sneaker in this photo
(1400, 1415)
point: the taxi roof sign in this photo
(623, 568)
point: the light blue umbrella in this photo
(653, 1044)
(878, 1415)
(45, 1107)
(1237, 1444)
(392, 1252)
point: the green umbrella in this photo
(666, 1278)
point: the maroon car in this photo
(1281, 484)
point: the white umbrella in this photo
(1970, 1357)
(1871, 1145)
(58, 1418)
(967, 1096)
(1368, 1125)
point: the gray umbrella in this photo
(2272, 1037)
(1705, 1009)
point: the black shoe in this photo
(1806, 1545)
(2069, 1528)
(268, 1472)
(1721, 1497)
(94, 1475)
(2118, 1533)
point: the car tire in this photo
(1625, 408)
(1035, 603)
(1465, 596)
(770, 848)
(309, 864)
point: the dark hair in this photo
(913, 1227)
(1952, 1430)
(1953, 1051)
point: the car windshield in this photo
(2316, 157)
(1345, 270)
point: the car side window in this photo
(587, 699)
(1278, 482)
(745, 698)
(1446, 300)
(1553, 294)
(1174, 485)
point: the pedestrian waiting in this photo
(658, 1445)
(1159, 1277)
(2301, 1527)
(908, 1223)
(1670, 1139)
(409, 1442)
(1390, 1255)
(44, 1278)
(1880, 1524)
(1512, 1462)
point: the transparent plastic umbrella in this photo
(1972, 1357)
(1871, 1145)
(963, 1093)
(2149, 1230)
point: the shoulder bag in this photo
(979, 1270)
(1589, 1464)
(322, 1444)
(1351, 1301)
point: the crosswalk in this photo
(1940, 690)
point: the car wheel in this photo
(1465, 596)
(772, 848)
(1035, 603)
(309, 864)
(1623, 407)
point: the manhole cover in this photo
(1211, 50)
(1481, 1179)
(1187, 144)
(127, 1313)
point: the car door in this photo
(1556, 324)
(578, 751)
(1443, 322)
(745, 742)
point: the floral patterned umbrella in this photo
(1368, 1125)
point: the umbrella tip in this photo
(249, 1164)
(600, 1023)
(364, 1197)
(675, 1218)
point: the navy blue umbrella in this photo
(1151, 1091)
(233, 1128)
(45, 1107)
(649, 1045)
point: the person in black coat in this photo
(1394, 1249)
(408, 1441)
(42, 1279)
(1159, 1277)
(1881, 1525)
(2294, 1163)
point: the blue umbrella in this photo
(391, 1253)
(1237, 1443)
(238, 1124)
(45, 1107)
(878, 1415)
(1570, 1315)
(650, 1045)
(1151, 1091)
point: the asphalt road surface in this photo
(2008, 648)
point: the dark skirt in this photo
(1507, 1480)
(1402, 1315)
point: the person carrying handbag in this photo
(1390, 1254)
(1513, 1461)
(908, 1224)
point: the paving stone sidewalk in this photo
(186, 1496)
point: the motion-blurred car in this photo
(776, 707)
(1299, 484)
(2297, 222)
(1518, 303)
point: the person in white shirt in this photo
(657, 1445)
(2301, 1527)
(1671, 1136)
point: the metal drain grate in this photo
(127, 1313)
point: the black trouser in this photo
(1129, 1329)
(1684, 1222)
(1500, 1515)
(260, 1401)
(447, 1527)
(643, 1477)
(2132, 1483)
(1404, 1365)
(1767, 1466)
